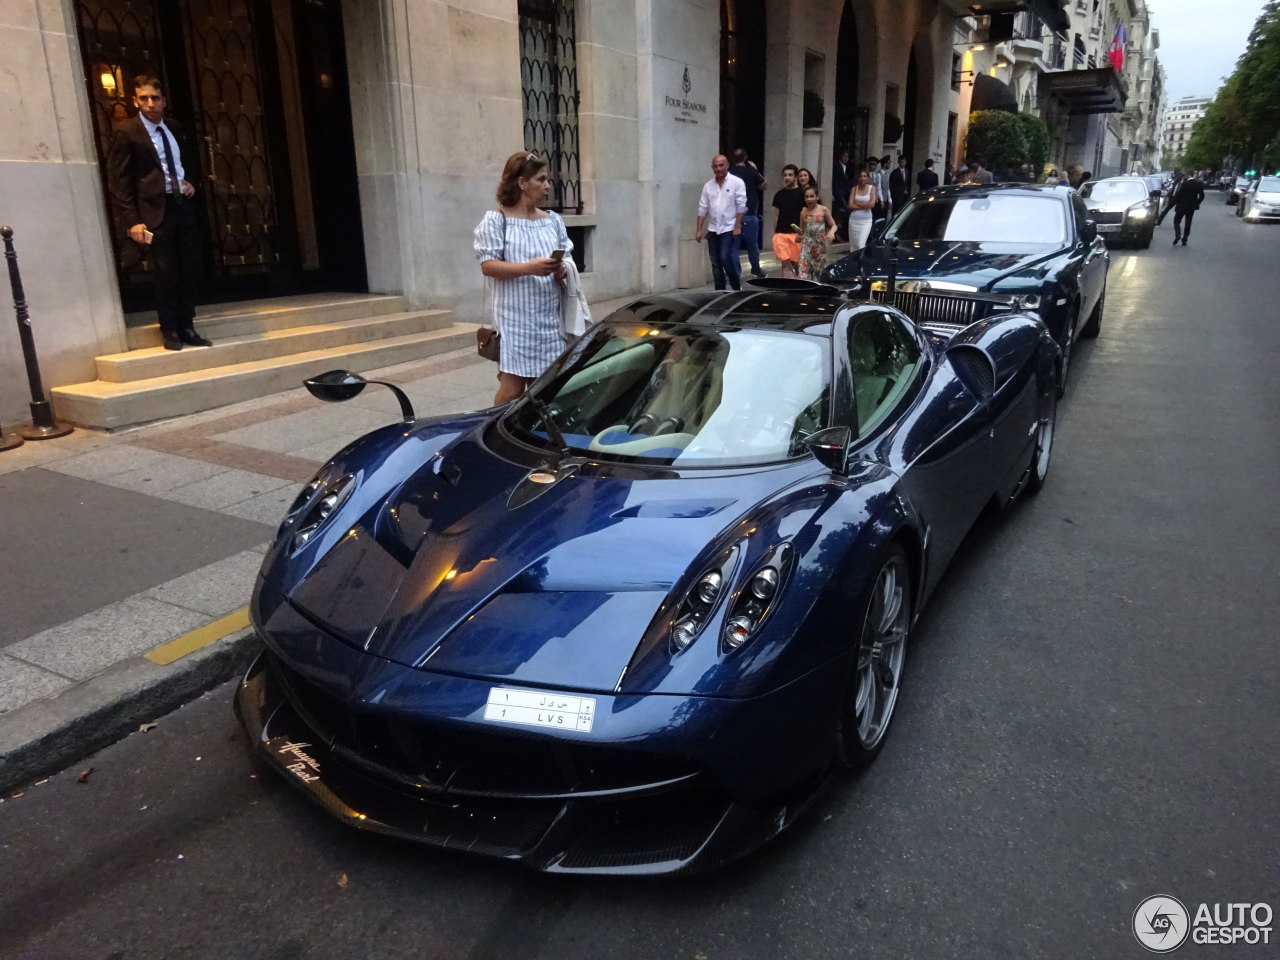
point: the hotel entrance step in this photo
(109, 405)
(218, 321)
(151, 362)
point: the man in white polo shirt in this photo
(720, 210)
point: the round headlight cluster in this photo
(324, 499)
(755, 599)
(697, 608)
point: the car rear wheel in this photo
(1044, 442)
(1093, 326)
(872, 690)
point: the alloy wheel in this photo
(881, 653)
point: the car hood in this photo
(470, 568)
(977, 264)
(1268, 196)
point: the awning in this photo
(1085, 91)
(992, 93)
(1050, 11)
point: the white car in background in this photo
(1262, 201)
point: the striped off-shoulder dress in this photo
(525, 310)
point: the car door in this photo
(914, 415)
(1092, 254)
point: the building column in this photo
(51, 195)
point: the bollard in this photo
(43, 424)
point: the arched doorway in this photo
(910, 115)
(851, 119)
(742, 73)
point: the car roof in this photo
(1017, 189)
(1134, 177)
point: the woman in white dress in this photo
(514, 245)
(862, 199)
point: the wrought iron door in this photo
(118, 41)
(227, 81)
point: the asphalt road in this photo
(1092, 717)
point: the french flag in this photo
(1116, 53)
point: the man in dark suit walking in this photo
(926, 179)
(1184, 203)
(154, 201)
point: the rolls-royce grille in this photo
(1101, 216)
(936, 308)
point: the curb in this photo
(46, 736)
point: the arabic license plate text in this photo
(536, 708)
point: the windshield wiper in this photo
(553, 431)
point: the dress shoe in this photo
(193, 339)
(172, 342)
(1175, 240)
(1184, 241)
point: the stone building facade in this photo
(353, 144)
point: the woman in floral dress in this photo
(817, 231)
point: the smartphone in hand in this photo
(557, 254)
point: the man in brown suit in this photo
(154, 201)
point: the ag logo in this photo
(1161, 924)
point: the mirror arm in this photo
(406, 408)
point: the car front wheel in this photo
(872, 691)
(1044, 441)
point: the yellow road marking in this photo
(1131, 264)
(201, 637)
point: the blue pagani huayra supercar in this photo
(630, 622)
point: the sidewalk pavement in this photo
(127, 559)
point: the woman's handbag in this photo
(488, 339)
(488, 343)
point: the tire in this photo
(871, 692)
(1093, 326)
(1146, 241)
(1045, 431)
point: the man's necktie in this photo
(174, 186)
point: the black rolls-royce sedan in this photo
(1025, 247)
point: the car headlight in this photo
(696, 608)
(1138, 213)
(755, 599)
(318, 501)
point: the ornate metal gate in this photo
(549, 76)
(118, 42)
(227, 90)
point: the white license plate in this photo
(1108, 227)
(536, 708)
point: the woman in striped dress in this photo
(514, 246)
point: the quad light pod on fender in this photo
(756, 597)
(318, 501)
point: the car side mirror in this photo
(877, 231)
(1156, 194)
(1089, 231)
(336, 386)
(831, 447)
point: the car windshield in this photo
(1115, 192)
(684, 394)
(1269, 185)
(998, 218)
